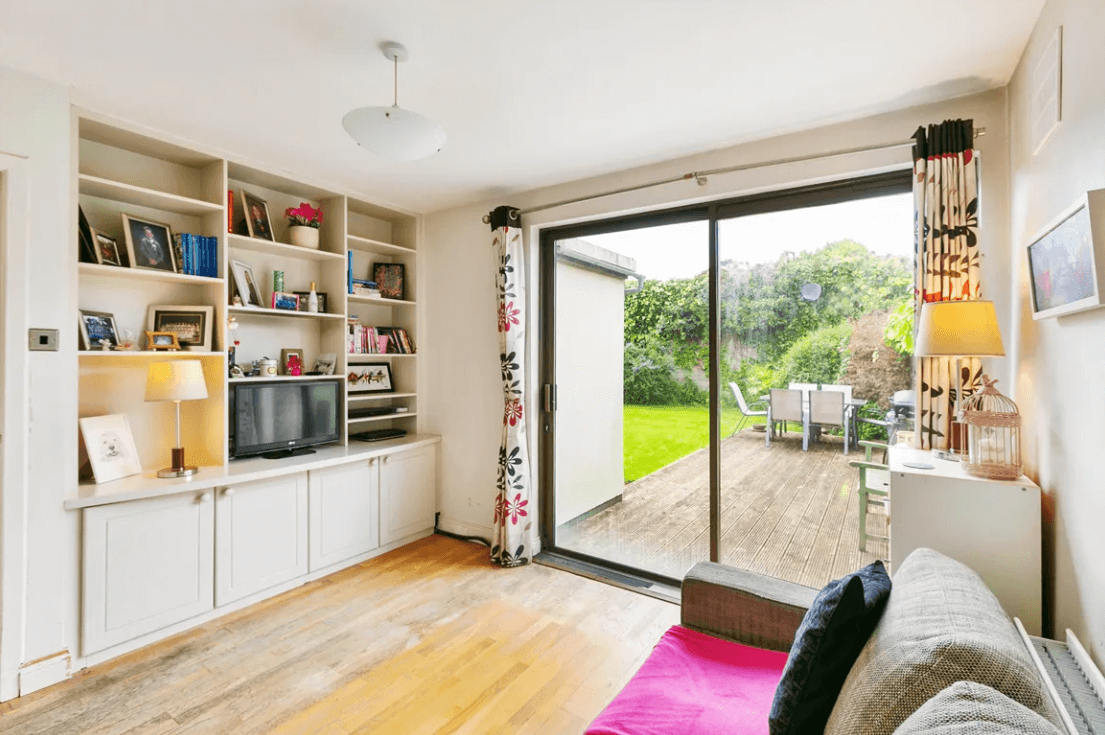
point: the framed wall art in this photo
(149, 244)
(370, 378)
(110, 447)
(191, 324)
(1066, 265)
(98, 330)
(389, 278)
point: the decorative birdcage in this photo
(993, 434)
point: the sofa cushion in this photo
(826, 645)
(695, 683)
(967, 708)
(941, 625)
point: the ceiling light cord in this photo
(395, 61)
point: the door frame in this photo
(14, 242)
(898, 181)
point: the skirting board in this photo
(463, 528)
(44, 672)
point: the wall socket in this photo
(42, 340)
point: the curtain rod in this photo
(700, 177)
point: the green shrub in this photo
(818, 357)
(649, 379)
(899, 330)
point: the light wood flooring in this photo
(429, 638)
(790, 514)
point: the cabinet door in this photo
(408, 493)
(260, 536)
(147, 564)
(344, 512)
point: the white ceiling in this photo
(530, 92)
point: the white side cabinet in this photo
(408, 495)
(260, 536)
(344, 512)
(147, 564)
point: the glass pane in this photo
(632, 420)
(816, 304)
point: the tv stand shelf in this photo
(148, 485)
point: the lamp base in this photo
(170, 472)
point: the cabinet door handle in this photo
(205, 498)
(385, 460)
(228, 492)
(372, 462)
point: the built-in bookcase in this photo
(119, 170)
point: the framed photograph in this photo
(190, 324)
(325, 363)
(371, 378)
(110, 447)
(389, 279)
(107, 249)
(256, 211)
(285, 358)
(149, 244)
(162, 341)
(1066, 265)
(303, 296)
(96, 327)
(84, 238)
(286, 301)
(246, 283)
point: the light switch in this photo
(43, 339)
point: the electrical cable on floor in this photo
(458, 536)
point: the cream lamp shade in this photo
(958, 329)
(179, 380)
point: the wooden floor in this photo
(426, 639)
(791, 514)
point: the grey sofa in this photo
(944, 658)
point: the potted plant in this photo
(303, 224)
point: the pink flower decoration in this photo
(514, 508)
(513, 412)
(508, 315)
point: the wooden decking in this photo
(790, 514)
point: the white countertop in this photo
(149, 485)
(940, 467)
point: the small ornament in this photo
(105, 345)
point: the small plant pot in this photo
(304, 237)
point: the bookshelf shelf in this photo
(143, 197)
(385, 417)
(131, 354)
(377, 301)
(358, 358)
(353, 396)
(257, 311)
(145, 274)
(366, 245)
(285, 378)
(257, 245)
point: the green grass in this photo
(656, 436)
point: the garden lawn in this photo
(656, 436)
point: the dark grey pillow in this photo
(968, 708)
(826, 645)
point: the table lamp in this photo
(180, 380)
(958, 329)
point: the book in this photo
(230, 210)
(349, 271)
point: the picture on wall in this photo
(246, 283)
(370, 378)
(389, 279)
(1062, 264)
(110, 447)
(149, 244)
(191, 324)
(256, 211)
(98, 328)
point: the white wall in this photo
(35, 123)
(1060, 378)
(464, 401)
(590, 325)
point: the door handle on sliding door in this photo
(550, 398)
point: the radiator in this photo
(1074, 682)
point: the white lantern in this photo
(993, 434)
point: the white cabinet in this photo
(344, 512)
(408, 495)
(260, 536)
(147, 564)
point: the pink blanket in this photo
(695, 683)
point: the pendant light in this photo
(393, 132)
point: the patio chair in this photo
(848, 407)
(805, 388)
(874, 489)
(746, 415)
(785, 405)
(827, 408)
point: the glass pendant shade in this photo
(393, 132)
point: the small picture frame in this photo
(256, 211)
(162, 341)
(285, 356)
(149, 244)
(96, 327)
(191, 324)
(246, 283)
(389, 278)
(285, 301)
(110, 447)
(325, 363)
(304, 295)
(370, 378)
(106, 249)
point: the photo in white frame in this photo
(110, 446)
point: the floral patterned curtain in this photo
(945, 192)
(511, 547)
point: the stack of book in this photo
(362, 340)
(196, 255)
(365, 288)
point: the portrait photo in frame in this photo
(256, 211)
(191, 324)
(97, 326)
(246, 283)
(149, 244)
(110, 447)
(106, 249)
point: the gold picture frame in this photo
(162, 341)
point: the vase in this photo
(303, 236)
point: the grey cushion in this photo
(941, 625)
(967, 708)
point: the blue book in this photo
(205, 256)
(350, 273)
(213, 257)
(186, 240)
(191, 256)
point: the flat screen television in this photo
(283, 419)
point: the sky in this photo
(883, 224)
